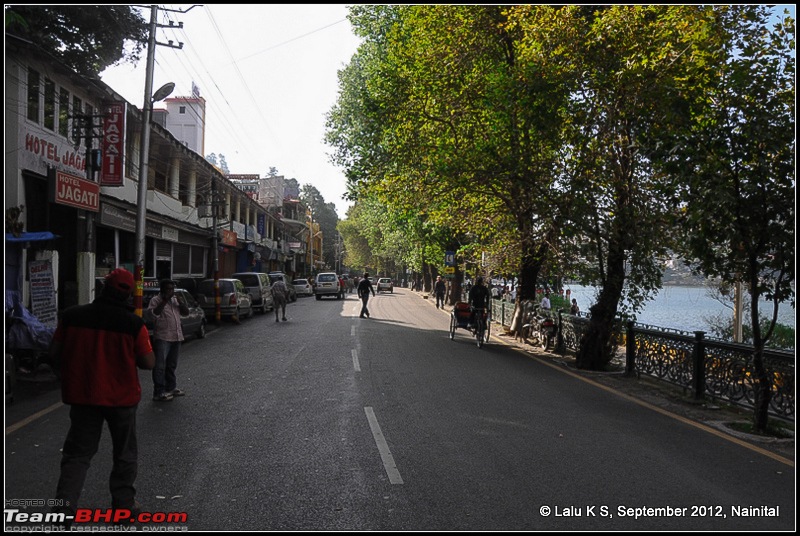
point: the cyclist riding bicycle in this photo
(479, 298)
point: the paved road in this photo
(332, 422)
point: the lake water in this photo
(686, 308)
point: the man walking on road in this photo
(364, 288)
(98, 348)
(439, 289)
(280, 295)
(167, 309)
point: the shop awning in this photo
(31, 237)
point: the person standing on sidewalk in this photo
(439, 289)
(364, 288)
(97, 348)
(167, 307)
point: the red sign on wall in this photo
(75, 192)
(228, 237)
(112, 170)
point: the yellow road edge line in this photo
(14, 427)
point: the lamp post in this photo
(144, 154)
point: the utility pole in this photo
(84, 128)
(144, 151)
(215, 246)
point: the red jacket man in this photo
(99, 347)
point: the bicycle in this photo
(482, 327)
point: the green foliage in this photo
(323, 213)
(783, 336)
(588, 141)
(86, 38)
(733, 159)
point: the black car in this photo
(193, 324)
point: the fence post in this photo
(699, 366)
(630, 349)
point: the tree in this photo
(223, 164)
(735, 162)
(438, 112)
(86, 38)
(625, 60)
(324, 214)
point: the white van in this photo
(327, 284)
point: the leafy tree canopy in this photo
(86, 38)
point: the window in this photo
(198, 260)
(160, 182)
(33, 95)
(77, 106)
(182, 110)
(180, 259)
(49, 104)
(63, 112)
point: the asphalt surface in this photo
(332, 422)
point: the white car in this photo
(303, 287)
(327, 284)
(385, 285)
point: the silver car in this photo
(303, 287)
(258, 285)
(234, 299)
(327, 284)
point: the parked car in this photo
(302, 287)
(257, 284)
(327, 284)
(234, 298)
(385, 285)
(274, 276)
(193, 324)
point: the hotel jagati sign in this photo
(75, 192)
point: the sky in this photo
(269, 76)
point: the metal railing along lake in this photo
(706, 367)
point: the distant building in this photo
(184, 118)
(249, 184)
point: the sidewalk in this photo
(38, 390)
(659, 395)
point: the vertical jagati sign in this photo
(112, 170)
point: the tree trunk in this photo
(763, 387)
(533, 256)
(596, 347)
(427, 277)
(763, 391)
(455, 287)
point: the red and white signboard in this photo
(112, 170)
(76, 192)
(228, 237)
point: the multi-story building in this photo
(55, 121)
